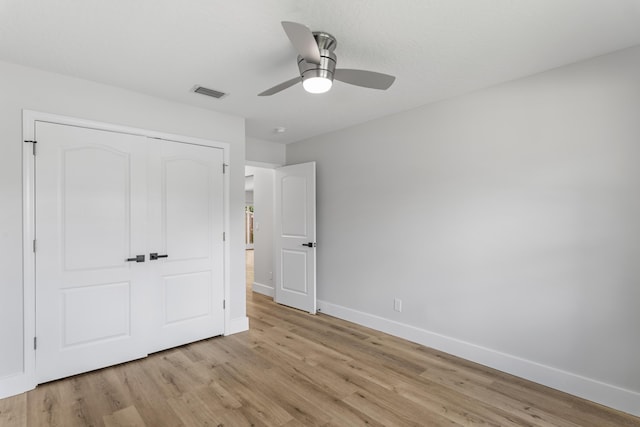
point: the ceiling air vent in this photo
(209, 92)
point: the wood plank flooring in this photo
(294, 369)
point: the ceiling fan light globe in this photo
(317, 84)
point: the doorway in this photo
(249, 231)
(284, 248)
(248, 211)
(259, 229)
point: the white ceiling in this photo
(436, 48)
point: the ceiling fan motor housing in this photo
(326, 44)
(325, 69)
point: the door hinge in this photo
(34, 144)
(34, 245)
(224, 304)
(35, 343)
(224, 236)
(224, 167)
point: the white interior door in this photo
(187, 211)
(91, 210)
(102, 199)
(295, 236)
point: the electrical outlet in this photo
(397, 304)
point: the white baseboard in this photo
(237, 324)
(13, 385)
(263, 289)
(586, 388)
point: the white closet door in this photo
(91, 197)
(187, 210)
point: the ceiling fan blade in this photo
(282, 86)
(364, 78)
(302, 39)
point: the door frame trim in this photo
(29, 120)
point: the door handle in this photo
(138, 258)
(310, 244)
(154, 256)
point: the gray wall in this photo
(507, 220)
(27, 88)
(259, 151)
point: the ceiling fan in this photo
(317, 64)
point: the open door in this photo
(295, 236)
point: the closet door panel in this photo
(188, 211)
(90, 217)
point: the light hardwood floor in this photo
(294, 369)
